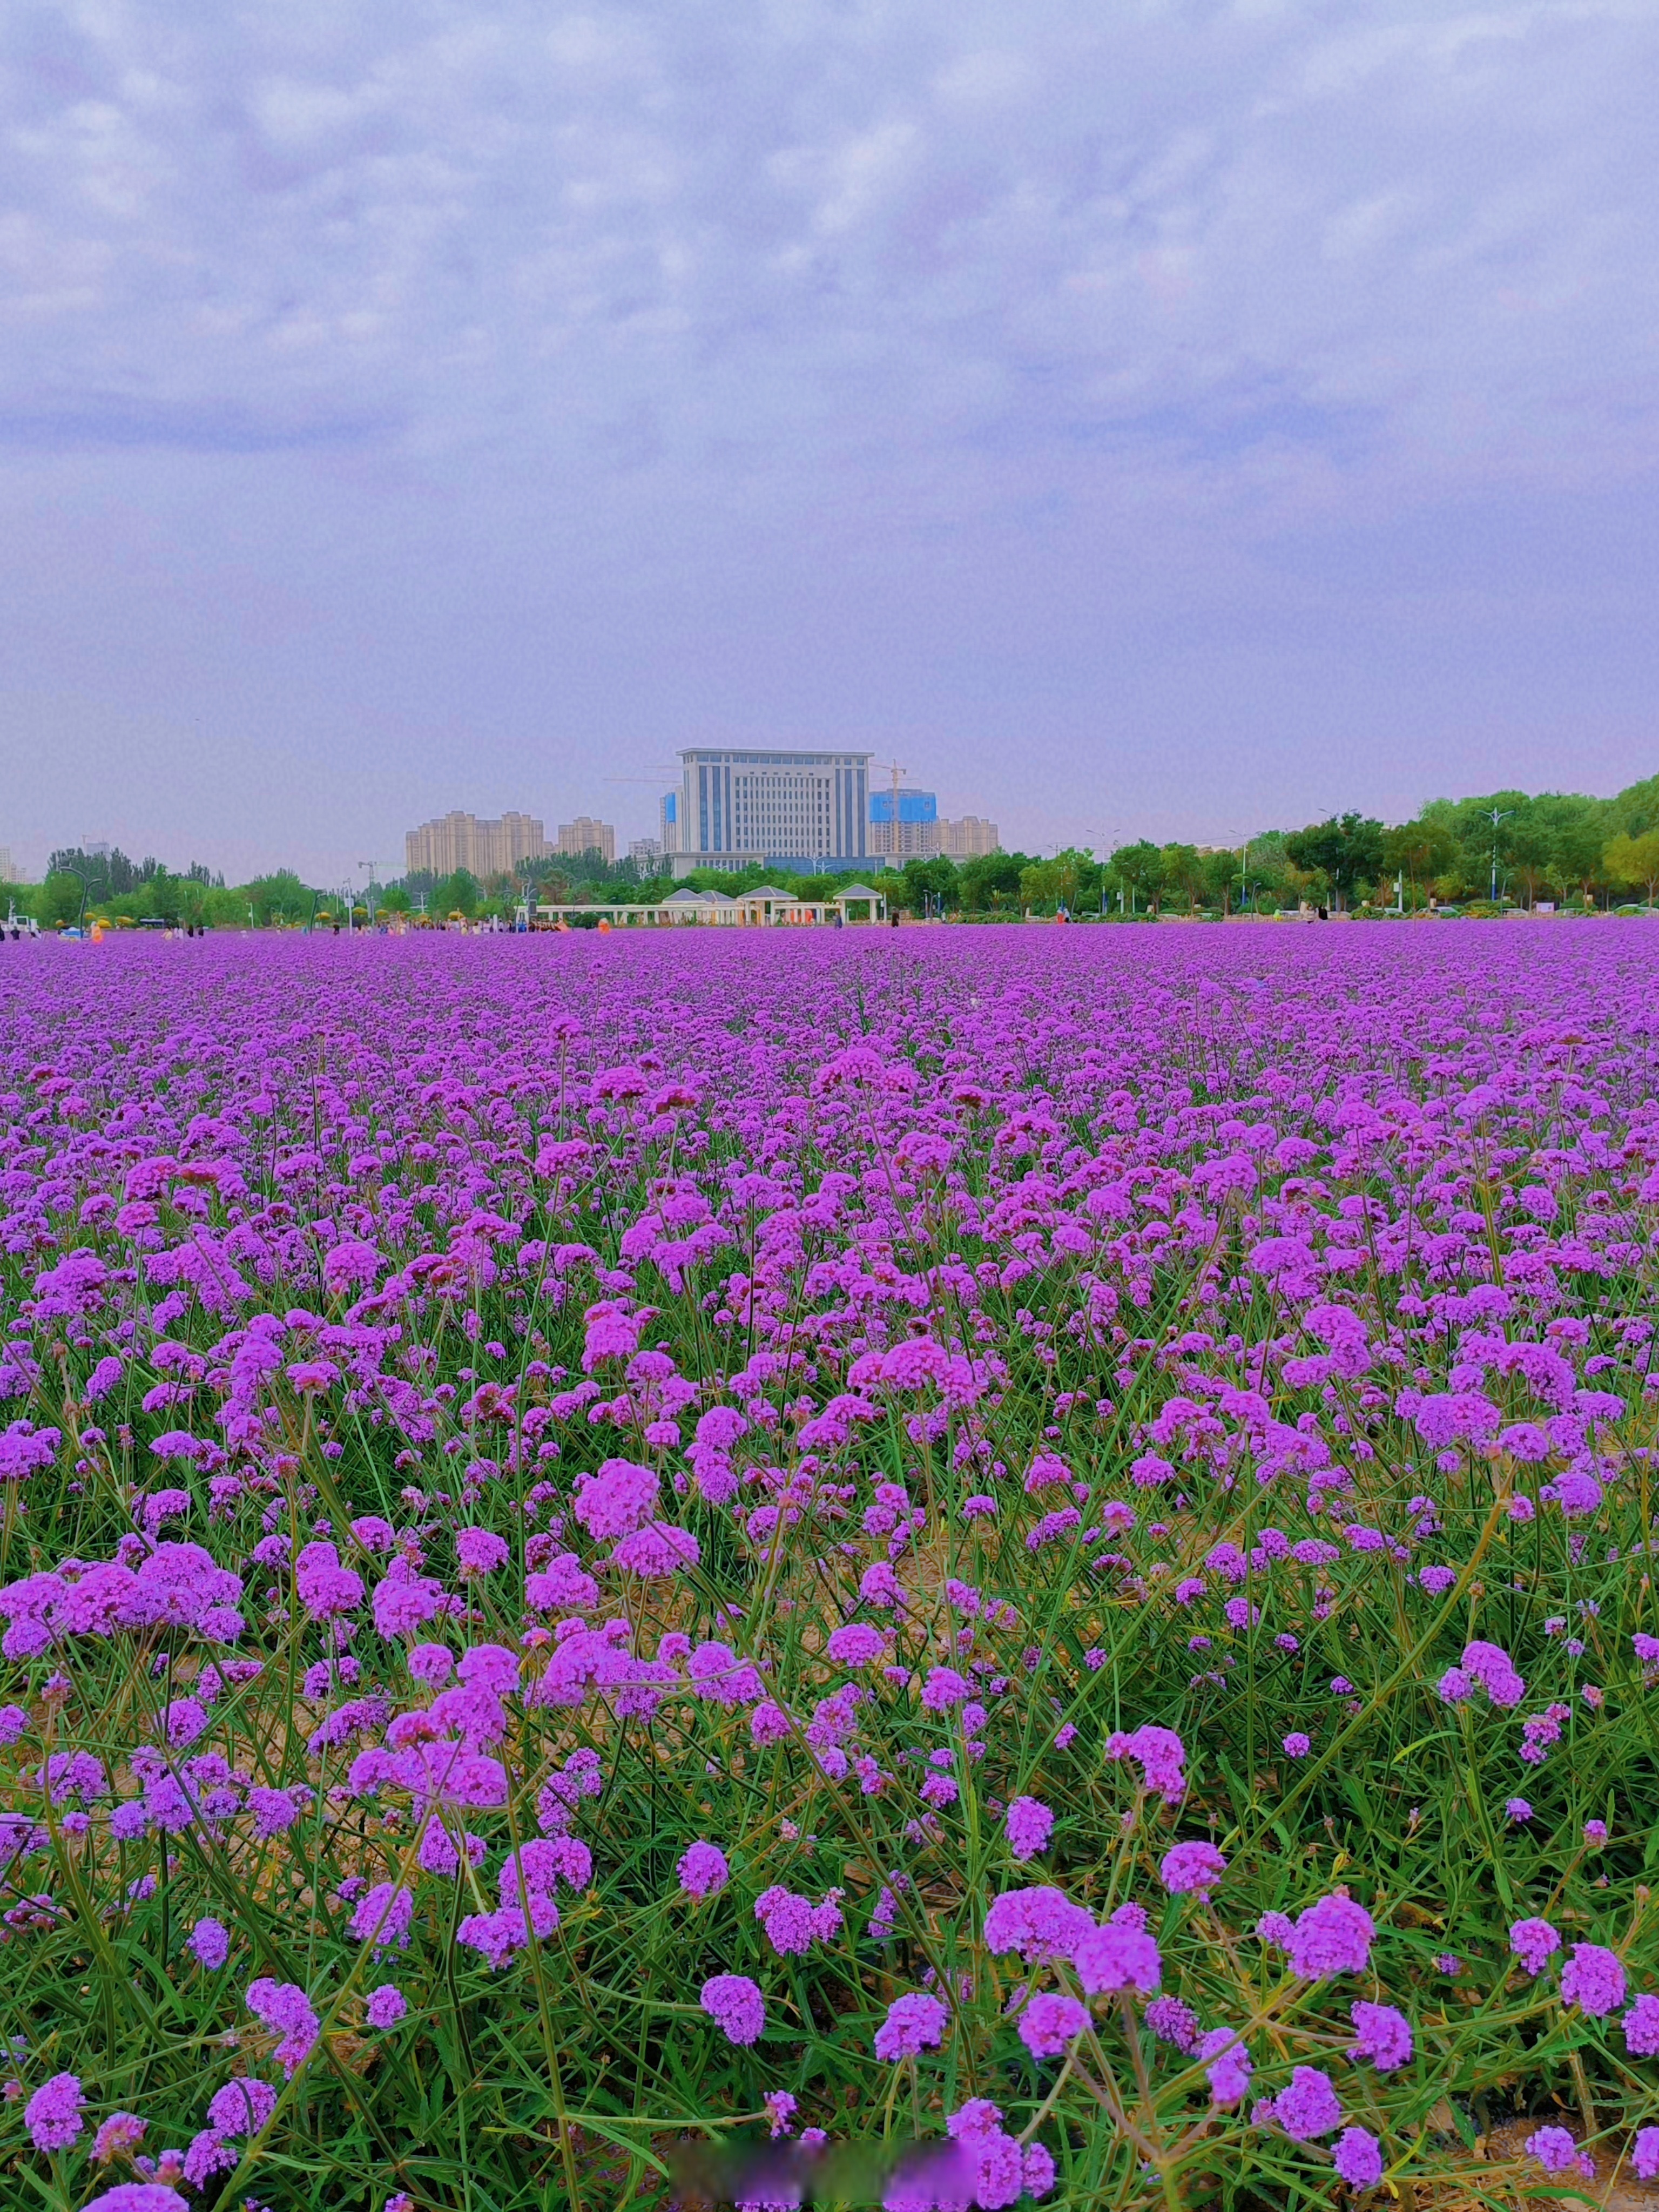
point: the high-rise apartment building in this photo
(969, 838)
(903, 823)
(919, 833)
(482, 847)
(646, 854)
(585, 835)
(804, 810)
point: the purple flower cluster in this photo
(488, 1417)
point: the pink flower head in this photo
(1048, 2024)
(914, 2022)
(325, 1588)
(944, 1688)
(1645, 2153)
(209, 1939)
(780, 2110)
(1030, 1825)
(382, 1917)
(1160, 1755)
(1228, 2066)
(1384, 2035)
(242, 2107)
(138, 2196)
(1556, 2151)
(856, 1644)
(121, 2133)
(704, 1870)
(52, 2114)
(387, 2005)
(1039, 1923)
(488, 1667)
(481, 1551)
(1533, 1942)
(1118, 1957)
(1641, 2027)
(283, 2009)
(1192, 1869)
(1358, 2158)
(736, 2006)
(1491, 1666)
(1593, 1979)
(656, 1551)
(1334, 1936)
(620, 1498)
(1309, 2107)
(1172, 2021)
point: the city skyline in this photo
(797, 796)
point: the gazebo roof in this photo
(858, 891)
(765, 891)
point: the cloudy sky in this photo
(1138, 417)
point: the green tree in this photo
(1221, 878)
(991, 880)
(165, 896)
(1347, 850)
(1051, 884)
(930, 885)
(1636, 808)
(460, 893)
(1183, 875)
(1530, 860)
(394, 899)
(1418, 851)
(1138, 870)
(57, 902)
(279, 897)
(1579, 846)
(1631, 860)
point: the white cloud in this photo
(944, 290)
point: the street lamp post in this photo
(86, 887)
(1499, 814)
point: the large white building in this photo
(801, 811)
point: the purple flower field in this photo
(1015, 1557)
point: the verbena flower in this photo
(1030, 1825)
(1309, 2107)
(1593, 1979)
(1048, 2024)
(1334, 1936)
(1382, 2034)
(913, 2023)
(1358, 2158)
(1533, 1942)
(1192, 1869)
(735, 2004)
(703, 1870)
(52, 2114)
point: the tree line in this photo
(1507, 845)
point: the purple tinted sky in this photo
(1145, 418)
